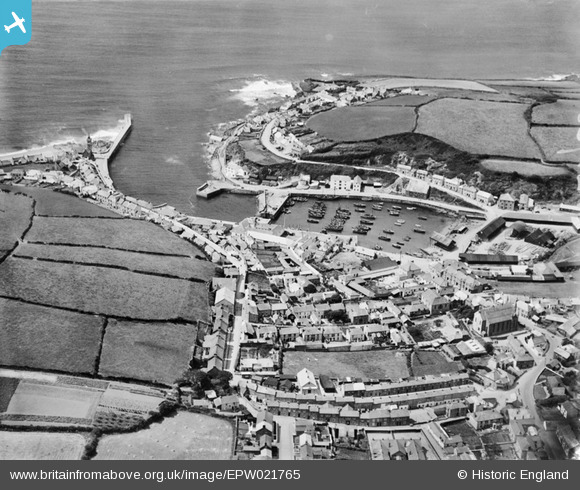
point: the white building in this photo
(340, 183)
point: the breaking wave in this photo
(262, 90)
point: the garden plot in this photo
(383, 364)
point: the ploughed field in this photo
(15, 215)
(102, 290)
(133, 350)
(40, 446)
(122, 234)
(38, 337)
(65, 279)
(53, 203)
(178, 267)
(185, 436)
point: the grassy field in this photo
(523, 168)
(125, 234)
(402, 100)
(157, 352)
(181, 267)
(51, 203)
(186, 436)
(363, 122)
(7, 388)
(52, 400)
(47, 338)
(478, 127)
(561, 112)
(40, 446)
(426, 362)
(15, 214)
(102, 290)
(368, 364)
(553, 140)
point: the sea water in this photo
(181, 67)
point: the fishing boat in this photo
(359, 230)
(385, 238)
(424, 218)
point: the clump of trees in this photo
(201, 381)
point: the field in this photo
(391, 83)
(40, 446)
(559, 144)
(523, 168)
(124, 234)
(157, 352)
(363, 122)
(186, 436)
(402, 100)
(561, 112)
(15, 214)
(102, 290)
(425, 362)
(46, 338)
(180, 267)
(478, 127)
(51, 203)
(368, 364)
(53, 401)
(7, 388)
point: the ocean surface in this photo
(181, 67)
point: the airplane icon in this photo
(17, 23)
